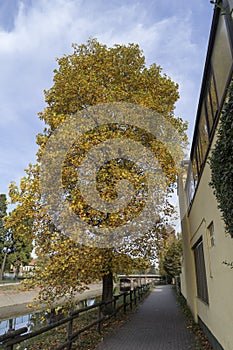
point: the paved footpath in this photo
(158, 324)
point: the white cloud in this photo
(169, 43)
(45, 29)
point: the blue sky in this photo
(173, 34)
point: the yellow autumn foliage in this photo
(95, 74)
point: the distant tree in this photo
(20, 255)
(172, 258)
(164, 237)
(3, 231)
(21, 246)
(3, 234)
(15, 247)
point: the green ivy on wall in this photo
(221, 164)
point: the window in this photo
(211, 103)
(203, 135)
(199, 153)
(211, 234)
(190, 185)
(221, 57)
(195, 170)
(213, 96)
(215, 80)
(202, 290)
(230, 4)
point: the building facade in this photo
(207, 265)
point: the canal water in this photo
(36, 320)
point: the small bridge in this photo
(129, 282)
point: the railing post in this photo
(139, 293)
(114, 305)
(131, 299)
(70, 331)
(10, 347)
(124, 302)
(135, 296)
(99, 318)
(144, 289)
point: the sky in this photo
(173, 34)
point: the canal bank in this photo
(14, 302)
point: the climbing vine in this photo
(221, 164)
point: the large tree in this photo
(95, 75)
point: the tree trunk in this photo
(3, 267)
(17, 268)
(107, 292)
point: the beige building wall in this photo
(217, 315)
(187, 277)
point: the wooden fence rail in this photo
(12, 338)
